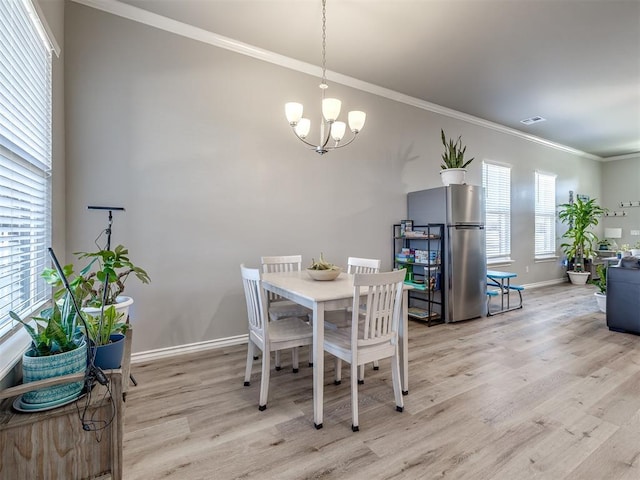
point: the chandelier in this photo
(330, 129)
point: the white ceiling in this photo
(574, 62)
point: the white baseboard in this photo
(546, 283)
(160, 353)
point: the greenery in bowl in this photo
(322, 264)
(453, 156)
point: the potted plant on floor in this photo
(453, 167)
(58, 347)
(580, 215)
(601, 283)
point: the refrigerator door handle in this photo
(469, 227)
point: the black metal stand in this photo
(108, 247)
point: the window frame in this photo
(545, 213)
(503, 214)
(26, 139)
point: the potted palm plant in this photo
(58, 347)
(453, 167)
(580, 215)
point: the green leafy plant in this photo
(322, 264)
(601, 282)
(453, 156)
(55, 330)
(106, 267)
(579, 215)
(99, 330)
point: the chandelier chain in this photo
(324, 44)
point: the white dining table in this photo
(321, 296)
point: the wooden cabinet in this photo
(54, 444)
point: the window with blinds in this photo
(545, 228)
(496, 180)
(25, 160)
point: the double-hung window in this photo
(25, 159)
(545, 212)
(496, 180)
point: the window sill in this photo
(546, 258)
(496, 262)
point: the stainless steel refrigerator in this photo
(461, 209)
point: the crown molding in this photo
(195, 33)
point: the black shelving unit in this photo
(423, 248)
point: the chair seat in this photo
(286, 308)
(288, 329)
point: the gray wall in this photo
(621, 183)
(192, 141)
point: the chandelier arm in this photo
(302, 139)
(328, 136)
(342, 144)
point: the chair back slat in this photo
(280, 263)
(363, 265)
(283, 263)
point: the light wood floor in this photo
(546, 392)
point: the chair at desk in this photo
(269, 336)
(373, 334)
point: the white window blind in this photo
(545, 229)
(496, 180)
(25, 160)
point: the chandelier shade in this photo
(330, 128)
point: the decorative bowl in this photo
(324, 275)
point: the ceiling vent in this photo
(532, 120)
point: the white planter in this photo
(122, 306)
(453, 176)
(578, 278)
(601, 300)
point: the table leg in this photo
(318, 363)
(403, 339)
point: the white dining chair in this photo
(280, 307)
(373, 334)
(341, 318)
(363, 265)
(291, 332)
